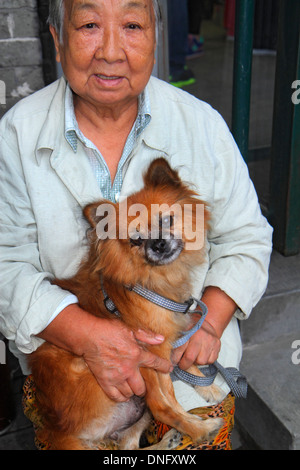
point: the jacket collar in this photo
(73, 169)
(80, 180)
(52, 130)
(155, 135)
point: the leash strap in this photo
(108, 303)
(233, 377)
(186, 335)
(160, 300)
(235, 380)
(151, 296)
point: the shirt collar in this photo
(73, 133)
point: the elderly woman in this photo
(90, 135)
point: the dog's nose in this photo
(159, 246)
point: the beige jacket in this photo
(44, 187)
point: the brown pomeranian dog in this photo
(157, 250)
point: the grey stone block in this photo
(19, 23)
(18, 4)
(20, 52)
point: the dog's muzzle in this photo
(162, 251)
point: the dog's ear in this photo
(90, 213)
(160, 173)
(101, 212)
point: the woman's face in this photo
(107, 50)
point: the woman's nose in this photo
(111, 46)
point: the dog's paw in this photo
(170, 441)
(215, 425)
(209, 430)
(211, 394)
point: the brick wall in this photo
(21, 61)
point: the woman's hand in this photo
(204, 346)
(115, 359)
(110, 349)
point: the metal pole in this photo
(243, 49)
(284, 210)
(161, 68)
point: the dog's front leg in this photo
(162, 402)
(211, 393)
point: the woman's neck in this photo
(107, 127)
(103, 118)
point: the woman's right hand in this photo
(110, 349)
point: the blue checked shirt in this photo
(110, 191)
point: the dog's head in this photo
(159, 229)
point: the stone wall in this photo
(21, 61)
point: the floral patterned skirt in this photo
(156, 430)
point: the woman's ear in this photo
(56, 42)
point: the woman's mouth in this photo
(108, 77)
(108, 80)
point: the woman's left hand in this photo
(202, 348)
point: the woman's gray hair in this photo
(56, 16)
(57, 11)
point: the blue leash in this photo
(236, 381)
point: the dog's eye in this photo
(166, 221)
(138, 241)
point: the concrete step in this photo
(278, 313)
(271, 413)
(271, 361)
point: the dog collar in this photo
(157, 299)
(164, 302)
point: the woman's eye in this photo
(133, 26)
(89, 25)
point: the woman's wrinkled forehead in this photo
(72, 6)
(58, 9)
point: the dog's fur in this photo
(75, 410)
